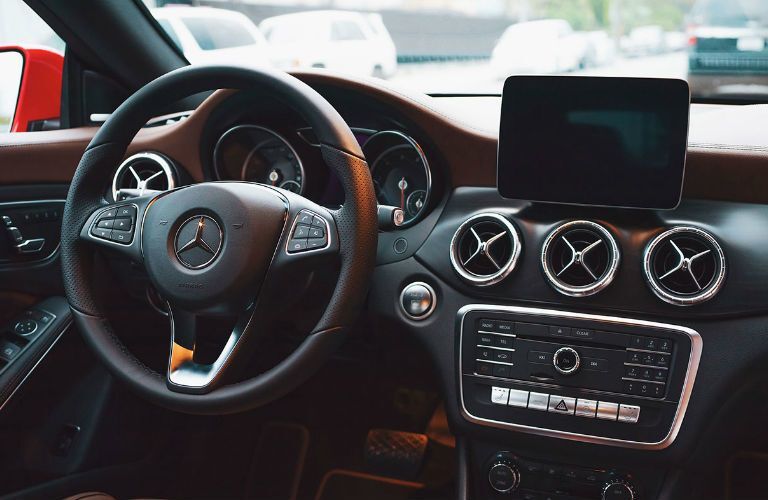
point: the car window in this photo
(212, 33)
(346, 30)
(21, 27)
(166, 25)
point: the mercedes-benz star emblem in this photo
(198, 241)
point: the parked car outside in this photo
(350, 42)
(543, 46)
(644, 41)
(209, 35)
(727, 52)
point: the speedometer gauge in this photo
(400, 172)
(257, 154)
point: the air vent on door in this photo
(580, 258)
(684, 266)
(142, 174)
(485, 249)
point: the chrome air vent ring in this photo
(684, 266)
(580, 247)
(485, 249)
(143, 172)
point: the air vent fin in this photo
(141, 174)
(485, 249)
(580, 258)
(684, 266)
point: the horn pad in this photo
(207, 247)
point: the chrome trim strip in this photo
(496, 348)
(495, 363)
(677, 300)
(690, 377)
(643, 380)
(646, 366)
(31, 370)
(634, 349)
(599, 284)
(500, 334)
(506, 268)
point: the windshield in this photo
(471, 46)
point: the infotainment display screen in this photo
(593, 140)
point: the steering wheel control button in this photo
(586, 408)
(560, 404)
(629, 414)
(566, 360)
(301, 232)
(499, 395)
(121, 236)
(26, 327)
(418, 300)
(127, 211)
(309, 233)
(102, 233)
(123, 224)
(106, 223)
(607, 411)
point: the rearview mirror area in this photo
(11, 70)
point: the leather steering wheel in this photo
(219, 248)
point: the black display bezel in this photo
(669, 97)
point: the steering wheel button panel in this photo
(310, 232)
(115, 224)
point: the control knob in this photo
(504, 476)
(619, 489)
(566, 360)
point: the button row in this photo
(495, 326)
(309, 233)
(497, 355)
(651, 344)
(552, 403)
(645, 373)
(488, 339)
(640, 388)
(648, 359)
(116, 224)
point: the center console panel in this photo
(591, 378)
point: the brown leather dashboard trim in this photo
(713, 171)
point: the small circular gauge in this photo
(257, 154)
(400, 173)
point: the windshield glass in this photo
(471, 46)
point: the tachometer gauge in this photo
(257, 154)
(400, 173)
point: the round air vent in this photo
(580, 258)
(684, 266)
(485, 249)
(142, 173)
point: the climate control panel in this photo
(577, 376)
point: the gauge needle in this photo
(273, 177)
(402, 185)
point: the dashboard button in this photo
(634, 357)
(518, 398)
(505, 327)
(417, 299)
(486, 325)
(483, 354)
(648, 358)
(561, 404)
(665, 345)
(505, 342)
(662, 360)
(632, 371)
(499, 395)
(540, 357)
(651, 344)
(502, 356)
(501, 371)
(586, 408)
(559, 331)
(484, 339)
(595, 364)
(482, 368)
(538, 401)
(566, 360)
(629, 413)
(607, 411)
(659, 375)
(582, 333)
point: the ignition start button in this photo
(418, 300)
(566, 360)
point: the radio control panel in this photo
(592, 378)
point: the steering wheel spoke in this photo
(186, 374)
(118, 227)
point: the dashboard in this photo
(596, 342)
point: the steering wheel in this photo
(219, 248)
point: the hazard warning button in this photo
(561, 404)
